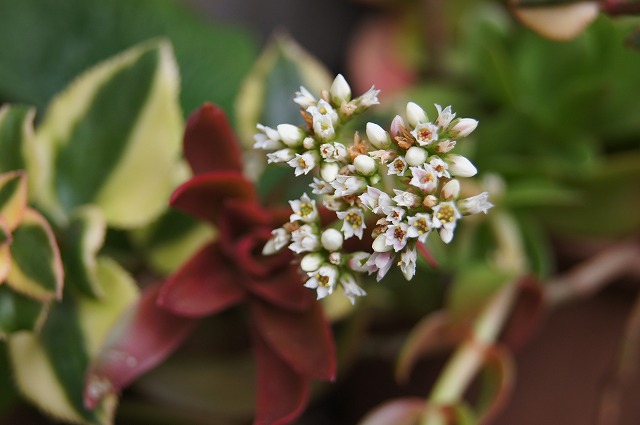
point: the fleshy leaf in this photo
(13, 198)
(404, 411)
(282, 393)
(205, 285)
(303, 340)
(18, 312)
(36, 266)
(210, 143)
(112, 138)
(141, 339)
(496, 384)
(84, 236)
(17, 139)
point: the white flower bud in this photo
(451, 190)
(415, 156)
(309, 143)
(377, 136)
(396, 126)
(340, 90)
(332, 239)
(358, 260)
(311, 262)
(329, 171)
(365, 165)
(462, 127)
(415, 114)
(380, 244)
(290, 134)
(460, 166)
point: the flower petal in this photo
(209, 142)
(140, 340)
(203, 286)
(282, 394)
(303, 339)
(204, 195)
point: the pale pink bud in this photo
(451, 190)
(377, 136)
(462, 127)
(396, 126)
(460, 166)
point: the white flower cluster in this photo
(403, 183)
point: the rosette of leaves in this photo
(104, 159)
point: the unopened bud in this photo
(340, 90)
(290, 134)
(311, 262)
(462, 127)
(380, 244)
(396, 126)
(358, 260)
(451, 190)
(309, 143)
(365, 165)
(332, 239)
(460, 166)
(377, 136)
(430, 201)
(415, 114)
(329, 171)
(415, 156)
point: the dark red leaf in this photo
(209, 142)
(204, 195)
(303, 339)
(142, 338)
(282, 394)
(526, 314)
(206, 284)
(283, 288)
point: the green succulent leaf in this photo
(19, 312)
(13, 198)
(112, 138)
(16, 137)
(36, 266)
(50, 366)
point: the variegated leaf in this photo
(17, 140)
(13, 198)
(36, 266)
(112, 138)
(18, 312)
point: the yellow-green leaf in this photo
(13, 198)
(112, 138)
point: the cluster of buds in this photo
(400, 185)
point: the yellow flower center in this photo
(421, 225)
(354, 219)
(446, 214)
(306, 208)
(322, 280)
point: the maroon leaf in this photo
(526, 314)
(303, 340)
(283, 288)
(204, 195)
(209, 142)
(141, 339)
(403, 411)
(205, 285)
(282, 393)
(496, 383)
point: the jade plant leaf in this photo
(112, 138)
(16, 138)
(19, 312)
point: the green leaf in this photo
(36, 267)
(13, 198)
(543, 193)
(16, 136)
(496, 384)
(112, 138)
(18, 312)
(84, 237)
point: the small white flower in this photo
(451, 190)
(340, 154)
(290, 134)
(353, 223)
(397, 235)
(329, 171)
(323, 280)
(304, 240)
(380, 262)
(475, 204)
(377, 136)
(327, 151)
(333, 203)
(304, 209)
(415, 156)
(445, 217)
(311, 262)
(398, 166)
(323, 126)
(350, 287)
(439, 166)
(462, 127)
(303, 163)
(415, 114)
(368, 98)
(419, 227)
(282, 155)
(280, 238)
(357, 261)
(445, 146)
(321, 187)
(407, 263)
(365, 165)
(347, 185)
(394, 214)
(380, 244)
(425, 133)
(382, 155)
(323, 108)
(406, 199)
(460, 166)
(340, 90)
(309, 143)
(445, 116)
(375, 199)
(304, 98)
(268, 139)
(331, 239)
(424, 179)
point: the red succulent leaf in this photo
(205, 285)
(204, 195)
(142, 339)
(209, 142)
(241, 217)
(284, 289)
(302, 339)
(282, 393)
